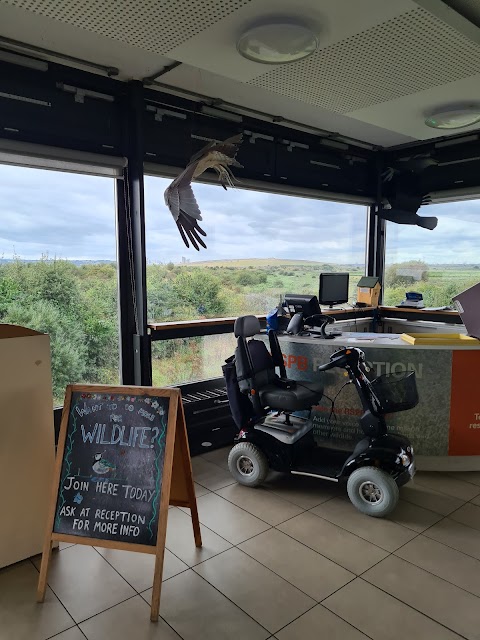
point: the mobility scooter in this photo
(271, 436)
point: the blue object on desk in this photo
(413, 300)
(272, 320)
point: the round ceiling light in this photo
(454, 118)
(277, 42)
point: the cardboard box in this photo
(27, 445)
(468, 306)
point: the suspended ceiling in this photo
(381, 67)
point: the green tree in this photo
(251, 278)
(67, 340)
(199, 290)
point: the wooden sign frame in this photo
(177, 486)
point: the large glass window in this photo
(439, 263)
(58, 269)
(259, 247)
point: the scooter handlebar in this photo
(327, 365)
(344, 357)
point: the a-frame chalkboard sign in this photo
(122, 459)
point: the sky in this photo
(72, 216)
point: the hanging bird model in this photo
(406, 193)
(179, 196)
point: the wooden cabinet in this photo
(27, 448)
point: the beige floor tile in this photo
(199, 490)
(262, 594)
(413, 517)
(467, 476)
(447, 604)
(197, 611)
(64, 545)
(301, 490)
(320, 623)
(476, 501)
(261, 503)
(456, 535)
(384, 533)
(210, 475)
(181, 543)
(382, 617)
(85, 583)
(72, 634)
(138, 568)
(228, 520)
(344, 548)
(469, 514)
(218, 456)
(444, 562)
(306, 569)
(446, 484)
(427, 498)
(21, 617)
(127, 621)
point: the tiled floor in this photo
(291, 560)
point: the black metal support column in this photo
(135, 345)
(371, 241)
(376, 228)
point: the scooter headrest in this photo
(246, 326)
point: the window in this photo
(439, 263)
(259, 247)
(58, 270)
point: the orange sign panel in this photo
(465, 404)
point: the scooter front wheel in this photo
(248, 464)
(373, 491)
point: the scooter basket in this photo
(396, 392)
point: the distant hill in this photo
(78, 263)
(259, 262)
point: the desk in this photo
(445, 426)
(404, 313)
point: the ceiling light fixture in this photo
(277, 42)
(454, 118)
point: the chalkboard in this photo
(122, 459)
(112, 467)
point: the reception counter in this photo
(444, 428)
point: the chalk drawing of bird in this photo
(179, 197)
(102, 466)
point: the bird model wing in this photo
(179, 196)
(180, 199)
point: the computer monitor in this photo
(304, 304)
(333, 288)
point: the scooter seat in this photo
(303, 396)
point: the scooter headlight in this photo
(404, 459)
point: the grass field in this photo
(257, 285)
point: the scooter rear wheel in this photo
(248, 464)
(373, 491)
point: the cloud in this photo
(73, 216)
(455, 240)
(65, 215)
(249, 224)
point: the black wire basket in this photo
(396, 392)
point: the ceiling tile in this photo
(153, 25)
(402, 56)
